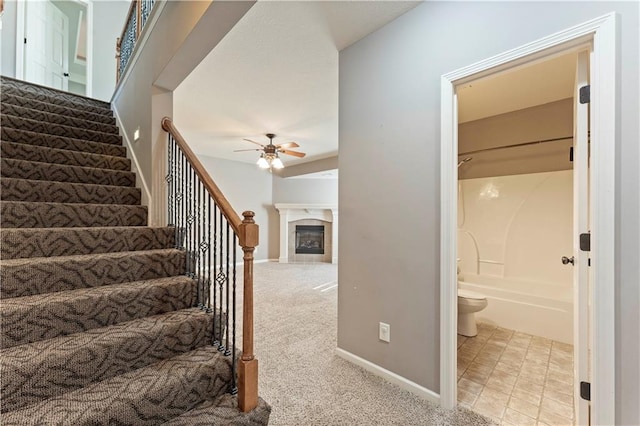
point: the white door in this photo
(46, 58)
(581, 206)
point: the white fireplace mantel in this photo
(293, 212)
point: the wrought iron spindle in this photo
(209, 254)
(216, 342)
(228, 350)
(220, 281)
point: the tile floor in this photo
(515, 378)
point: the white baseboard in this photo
(146, 196)
(390, 376)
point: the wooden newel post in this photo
(248, 365)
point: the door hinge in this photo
(585, 242)
(571, 154)
(585, 391)
(589, 262)
(25, 40)
(585, 94)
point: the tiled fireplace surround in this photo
(308, 214)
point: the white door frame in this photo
(20, 24)
(600, 34)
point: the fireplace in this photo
(310, 239)
(308, 233)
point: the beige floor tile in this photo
(514, 360)
(466, 397)
(528, 386)
(557, 407)
(518, 418)
(554, 419)
(525, 407)
(461, 340)
(487, 359)
(470, 386)
(525, 395)
(507, 368)
(475, 377)
(563, 347)
(489, 407)
(559, 386)
(496, 395)
(501, 381)
(558, 396)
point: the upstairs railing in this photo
(137, 16)
(210, 231)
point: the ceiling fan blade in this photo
(252, 149)
(294, 153)
(288, 145)
(249, 140)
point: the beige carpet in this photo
(300, 375)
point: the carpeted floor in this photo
(301, 376)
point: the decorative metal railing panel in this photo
(211, 233)
(137, 17)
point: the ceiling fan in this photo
(269, 156)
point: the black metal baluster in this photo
(227, 351)
(183, 220)
(196, 240)
(234, 386)
(220, 281)
(192, 226)
(168, 178)
(187, 230)
(215, 263)
(209, 253)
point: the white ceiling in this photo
(276, 71)
(536, 84)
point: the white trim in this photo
(390, 376)
(78, 78)
(156, 11)
(601, 32)
(132, 155)
(76, 60)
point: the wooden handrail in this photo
(225, 207)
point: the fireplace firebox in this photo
(310, 239)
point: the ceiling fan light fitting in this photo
(277, 163)
(262, 162)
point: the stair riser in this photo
(53, 96)
(47, 275)
(60, 142)
(33, 319)
(223, 411)
(155, 394)
(19, 169)
(33, 114)
(53, 367)
(56, 109)
(24, 152)
(63, 192)
(54, 215)
(59, 130)
(22, 243)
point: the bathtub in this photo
(536, 308)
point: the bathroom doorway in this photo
(589, 323)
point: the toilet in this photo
(469, 302)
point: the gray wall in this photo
(305, 190)
(390, 176)
(108, 20)
(248, 188)
(185, 32)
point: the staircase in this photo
(98, 324)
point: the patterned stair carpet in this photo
(97, 319)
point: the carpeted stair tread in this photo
(223, 411)
(47, 242)
(147, 396)
(61, 142)
(53, 118)
(60, 273)
(66, 192)
(56, 96)
(10, 99)
(17, 214)
(21, 151)
(34, 170)
(45, 316)
(16, 122)
(36, 371)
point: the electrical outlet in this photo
(385, 332)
